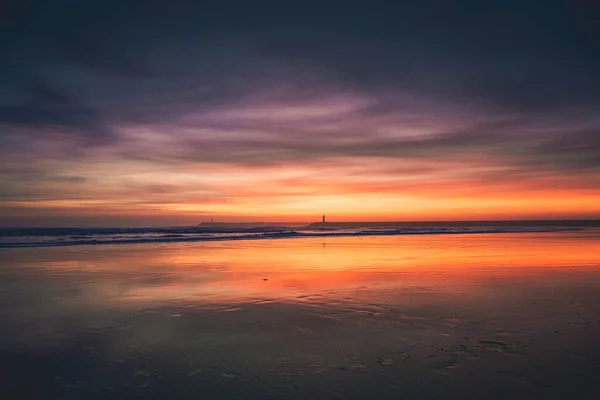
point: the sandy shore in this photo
(471, 317)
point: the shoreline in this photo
(282, 235)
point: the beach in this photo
(420, 316)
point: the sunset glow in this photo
(307, 199)
(359, 125)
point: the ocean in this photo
(36, 237)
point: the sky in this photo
(145, 113)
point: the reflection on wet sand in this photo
(469, 316)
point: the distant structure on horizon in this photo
(323, 219)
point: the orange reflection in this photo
(294, 269)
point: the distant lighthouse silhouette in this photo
(323, 219)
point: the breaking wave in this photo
(41, 237)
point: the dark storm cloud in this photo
(525, 54)
(77, 76)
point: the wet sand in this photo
(495, 316)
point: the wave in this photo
(51, 237)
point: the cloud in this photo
(97, 95)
